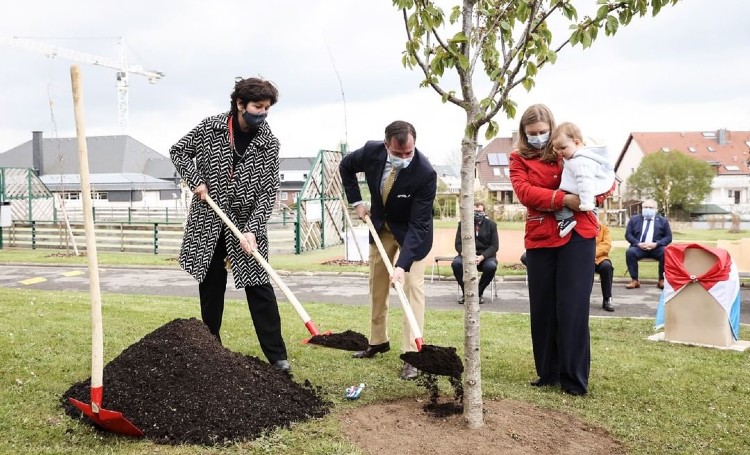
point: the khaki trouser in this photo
(380, 293)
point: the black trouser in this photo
(559, 291)
(261, 301)
(606, 274)
(488, 267)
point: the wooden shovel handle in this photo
(261, 260)
(399, 288)
(97, 332)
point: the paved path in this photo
(512, 294)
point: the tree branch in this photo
(426, 69)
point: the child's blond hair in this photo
(566, 129)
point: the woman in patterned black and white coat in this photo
(234, 158)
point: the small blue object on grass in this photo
(352, 393)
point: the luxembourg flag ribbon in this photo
(721, 281)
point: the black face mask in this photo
(478, 216)
(254, 120)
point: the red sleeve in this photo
(535, 183)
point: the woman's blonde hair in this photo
(534, 114)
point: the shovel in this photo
(109, 420)
(271, 272)
(432, 359)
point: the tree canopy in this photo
(673, 179)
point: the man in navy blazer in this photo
(647, 234)
(403, 222)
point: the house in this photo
(493, 170)
(293, 173)
(728, 152)
(123, 172)
(448, 179)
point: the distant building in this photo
(123, 171)
(450, 179)
(728, 152)
(293, 173)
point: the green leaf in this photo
(459, 38)
(586, 39)
(528, 83)
(455, 14)
(610, 28)
(463, 62)
(492, 129)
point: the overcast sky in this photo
(688, 69)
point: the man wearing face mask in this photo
(234, 158)
(647, 234)
(402, 186)
(487, 243)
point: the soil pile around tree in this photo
(347, 340)
(180, 385)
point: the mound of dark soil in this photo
(180, 385)
(437, 360)
(347, 340)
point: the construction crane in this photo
(119, 64)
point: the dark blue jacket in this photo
(662, 231)
(408, 209)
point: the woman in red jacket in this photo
(559, 269)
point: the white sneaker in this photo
(566, 225)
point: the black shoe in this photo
(542, 383)
(607, 305)
(283, 366)
(481, 300)
(372, 350)
(409, 372)
(566, 225)
(460, 300)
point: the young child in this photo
(587, 172)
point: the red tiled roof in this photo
(705, 146)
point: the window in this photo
(71, 196)
(281, 177)
(99, 195)
(284, 195)
(497, 159)
(692, 149)
(734, 195)
(496, 171)
(710, 149)
(731, 167)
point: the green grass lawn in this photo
(655, 397)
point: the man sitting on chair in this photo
(486, 243)
(647, 234)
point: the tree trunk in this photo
(473, 414)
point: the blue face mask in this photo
(539, 141)
(254, 120)
(649, 213)
(478, 215)
(398, 163)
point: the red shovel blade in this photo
(111, 421)
(307, 340)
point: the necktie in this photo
(389, 183)
(645, 231)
